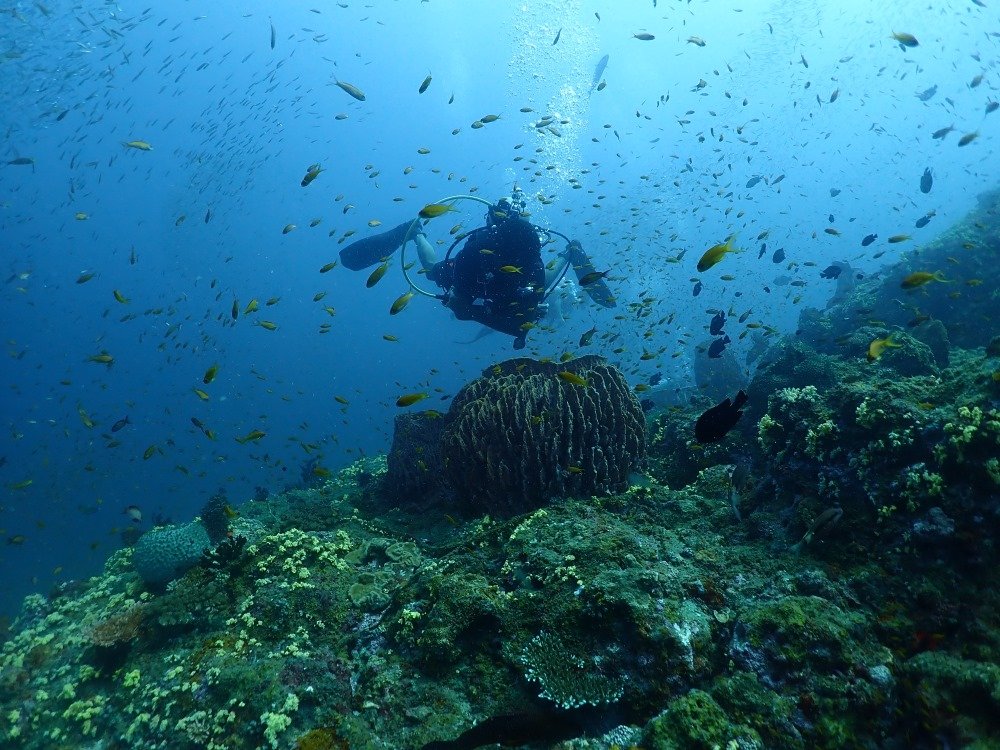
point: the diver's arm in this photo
(551, 274)
(428, 258)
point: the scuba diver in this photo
(497, 278)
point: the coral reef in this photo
(163, 554)
(524, 432)
(842, 605)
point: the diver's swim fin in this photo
(368, 251)
(597, 290)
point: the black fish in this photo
(923, 221)
(763, 249)
(927, 94)
(120, 423)
(779, 255)
(208, 215)
(647, 404)
(830, 218)
(556, 40)
(697, 289)
(713, 425)
(834, 192)
(869, 239)
(656, 379)
(719, 320)
(718, 346)
(272, 36)
(926, 180)
(752, 181)
(831, 272)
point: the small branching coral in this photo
(568, 679)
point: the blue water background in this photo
(235, 138)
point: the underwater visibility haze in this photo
(436, 374)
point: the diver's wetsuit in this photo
(505, 300)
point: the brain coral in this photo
(521, 434)
(163, 554)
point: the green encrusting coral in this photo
(655, 604)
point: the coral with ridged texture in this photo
(526, 431)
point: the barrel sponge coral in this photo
(164, 554)
(526, 431)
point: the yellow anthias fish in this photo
(919, 278)
(433, 210)
(877, 347)
(377, 274)
(251, 437)
(573, 378)
(410, 399)
(510, 269)
(716, 253)
(400, 303)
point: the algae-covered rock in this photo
(695, 721)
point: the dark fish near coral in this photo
(779, 255)
(713, 425)
(718, 320)
(647, 404)
(868, 239)
(924, 220)
(120, 424)
(718, 346)
(831, 272)
(587, 336)
(926, 180)
(656, 379)
(134, 513)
